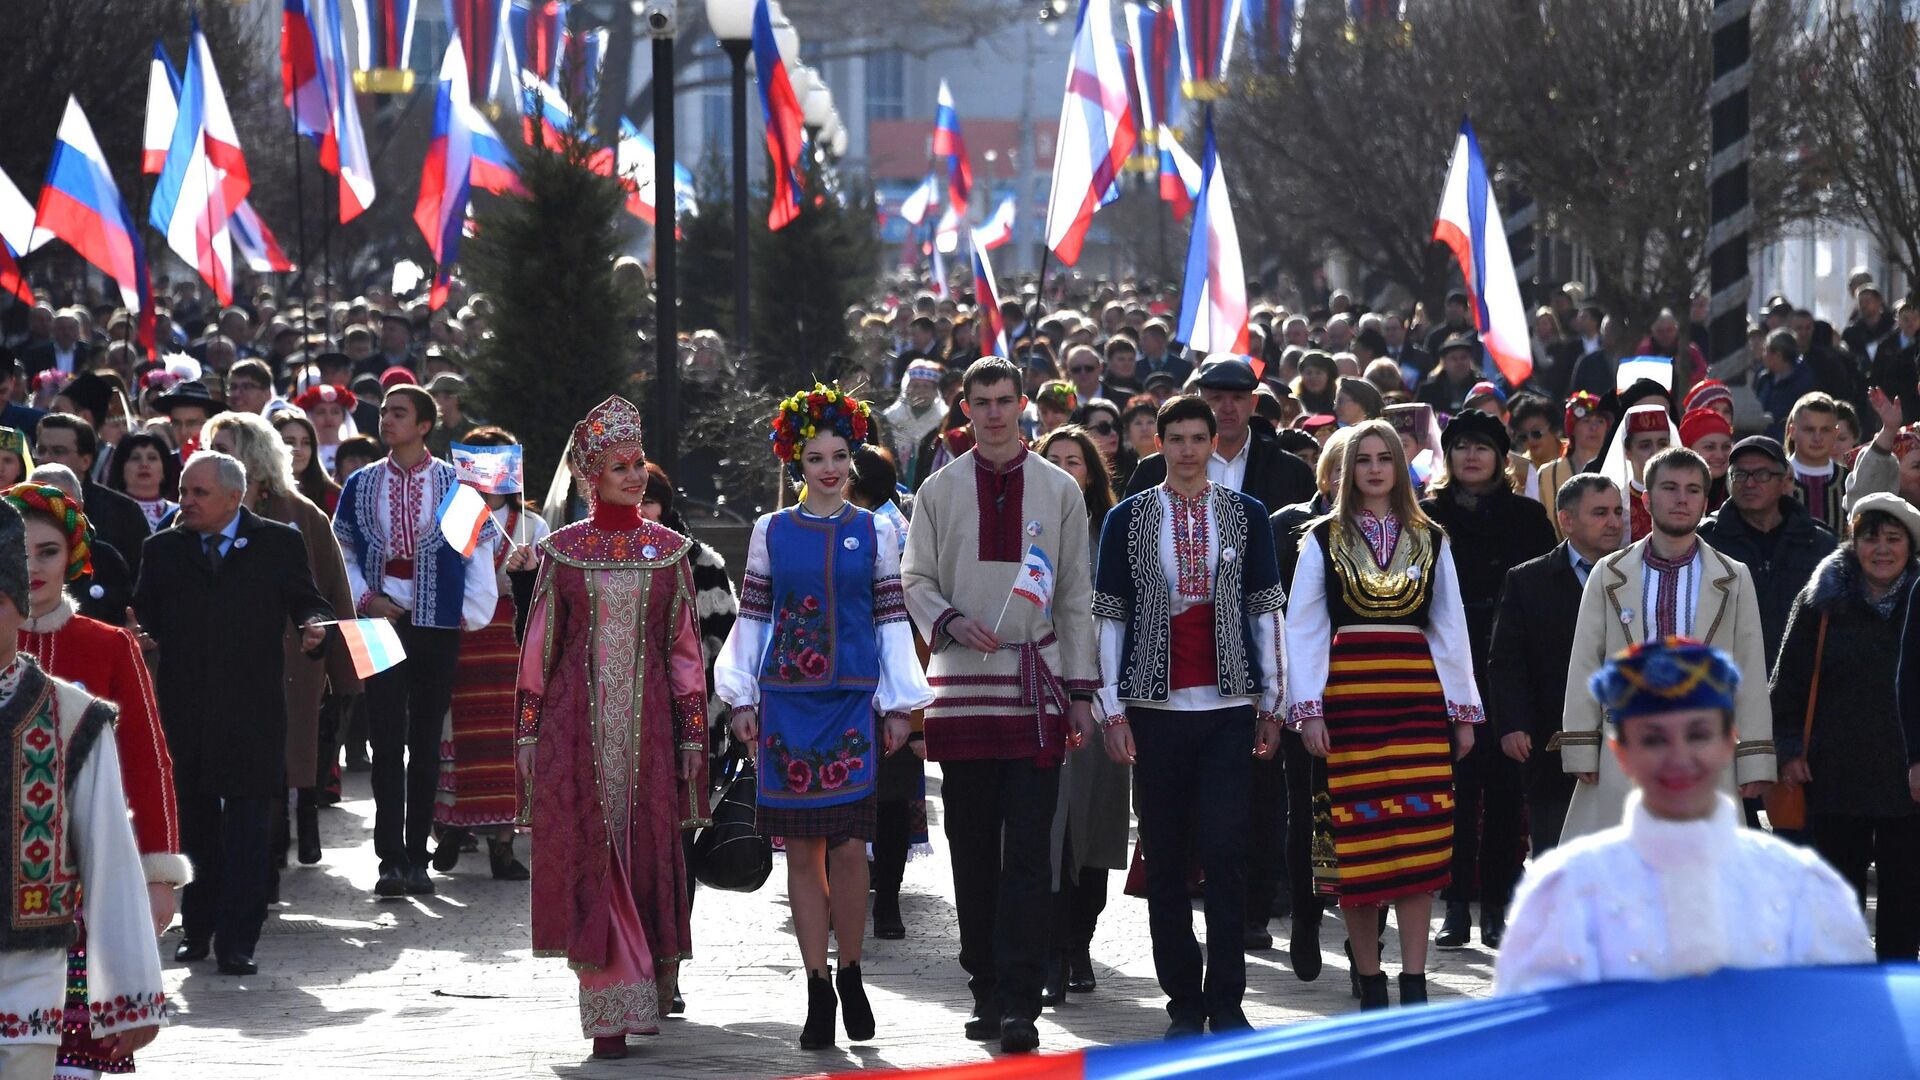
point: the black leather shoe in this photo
(1054, 991)
(983, 1026)
(392, 883)
(418, 883)
(1303, 948)
(1018, 1036)
(677, 1006)
(307, 820)
(1493, 926)
(1226, 1022)
(238, 965)
(446, 855)
(1256, 939)
(1186, 1027)
(1080, 978)
(1457, 927)
(190, 950)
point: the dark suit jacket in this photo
(222, 670)
(119, 521)
(1274, 476)
(107, 593)
(1526, 684)
(40, 357)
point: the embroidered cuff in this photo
(146, 1009)
(889, 602)
(360, 607)
(896, 714)
(1109, 606)
(1579, 750)
(1113, 719)
(1754, 762)
(940, 624)
(526, 724)
(1267, 600)
(756, 598)
(690, 720)
(1300, 712)
(1466, 714)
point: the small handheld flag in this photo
(373, 644)
(496, 470)
(1655, 368)
(463, 518)
(1035, 583)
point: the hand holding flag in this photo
(373, 644)
(463, 519)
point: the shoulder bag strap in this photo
(1813, 694)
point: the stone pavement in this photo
(446, 986)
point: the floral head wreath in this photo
(1058, 394)
(812, 412)
(53, 502)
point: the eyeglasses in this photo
(1534, 435)
(1105, 427)
(1082, 370)
(1755, 476)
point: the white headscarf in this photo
(1615, 466)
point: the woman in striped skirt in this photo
(1380, 685)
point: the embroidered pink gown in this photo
(612, 688)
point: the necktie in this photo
(1582, 566)
(213, 550)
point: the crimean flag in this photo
(1179, 175)
(998, 229)
(949, 143)
(495, 470)
(446, 176)
(463, 519)
(1096, 133)
(786, 127)
(1213, 298)
(1034, 583)
(16, 234)
(373, 643)
(1469, 224)
(205, 175)
(317, 85)
(163, 106)
(256, 243)
(1206, 44)
(536, 34)
(986, 298)
(81, 205)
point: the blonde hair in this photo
(1347, 499)
(1811, 401)
(1331, 464)
(258, 447)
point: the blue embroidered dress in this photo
(822, 646)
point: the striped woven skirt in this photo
(1383, 820)
(477, 749)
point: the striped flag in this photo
(986, 298)
(386, 34)
(205, 175)
(1179, 175)
(446, 176)
(481, 27)
(258, 247)
(998, 229)
(1096, 133)
(786, 127)
(1213, 299)
(536, 34)
(920, 200)
(317, 85)
(1206, 44)
(1469, 224)
(1034, 583)
(373, 643)
(949, 143)
(163, 106)
(463, 519)
(16, 233)
(81, 204)
(1632, 369)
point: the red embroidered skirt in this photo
(477, 762)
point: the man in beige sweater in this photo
(1014, 680)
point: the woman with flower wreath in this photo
(821, 648)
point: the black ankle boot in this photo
(446, 854)
(1373, 992)
(1413, 988)
(1493, 925)
(887, 924)
(817, 1033)
(1054, 991)
(855, 1011)
(1457, 927)
(306, 818)
(500, 858)
(1080, 978)
(1303, 948)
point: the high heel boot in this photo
(817, 1032)
(855, 1011)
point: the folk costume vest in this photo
(1361, 591)
(47, 730)
(439, 571)
(822, 601)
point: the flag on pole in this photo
(536, 35)
(373, 643)
(545, 117)
(986, 298)
(317, 85)
(463, 519)
(940, 290)
(998, 229)
(1096, 133)
(495, 470)
(205, 175)
(1469, 223)
(481, 28)
(637, 171)
(786, 128)
(946, 235)
(1213, 298)
(586, 53)
(256, 243)
(494, 168)
(386, 34)
(446, 176)
(1206, 44)
(1151, 43)
(16, 233)
(949, 143)
(915, 208)
(1179, 175)
(163, 105)
(81, 205)
(1034, 583)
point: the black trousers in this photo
(1487, 810)
(1266, 836)
(406, 705)
(1299, 768)
(1194, 771)
(1549, 791)
(891, 843)
(1850, 843)
(1077, 903)
(226, 841)
(999, 816)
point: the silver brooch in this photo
(1413, 573)
(1626, 616)
(97, 592)
(1228, 554)
(239, 542)
(851, 543)
(649, 552)
(1033, 528)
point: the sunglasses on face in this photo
(1533, 434)
(1104, 427)
(1081, 370)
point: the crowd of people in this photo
(1347, 623)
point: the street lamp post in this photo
(732, 23)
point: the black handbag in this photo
(731, 854)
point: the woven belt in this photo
(400, 568)
(1038, 685)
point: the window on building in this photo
(886, 87)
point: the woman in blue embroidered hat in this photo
(1679, 888)
(821, 673)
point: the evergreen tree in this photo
(706, 254)
(562, 330)
(806, 275)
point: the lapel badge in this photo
(1033, 527)
(851, 543)
(239, 542)
(649, 552)
(1626, 616)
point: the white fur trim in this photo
(166, 868)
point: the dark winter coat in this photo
(1289, 528)
(1778, 579)
(1498, 532)
(1857, 755)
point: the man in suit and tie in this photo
(216, 593)
(64, 351)
(1533, 643)
(1668, 584)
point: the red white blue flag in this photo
(1180, 178)
(445, 179)
(536, 35)
(586, 53)
(1206, 43)
(163, 105)
(1035, 581)
(205, 175)
(1469, 224)
(256, 243)
(16, 234)
(918, 202)
(1213, 299)
(1096, 133)
(786, 127)
(386, 33)
(481, 28)
(81, 205)
(316, 77)
(986, 299)
(949, 143)
(998, 229)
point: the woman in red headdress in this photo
(613, 739)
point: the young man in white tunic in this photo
(1679, 888)
(68, 853)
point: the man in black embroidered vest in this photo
(1188, 610)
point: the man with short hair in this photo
(1008, 686)
(1157, 353)
(402, 569)
(359, 344)
(1121, 380)
(250, 387)
(1593, 369)
(66, 439)
(1819, 482)
(1414, 361)
(1784, 379)
(63, 352)
(1671, 584)
(1767, 529)
(448, 389)
(1188, 612)
(1084, 370)
(216, 593)
(396, 344)
(1456, 320)
(1447, 390)
(1533, 645)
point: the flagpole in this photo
(300, 224)
(326, 252)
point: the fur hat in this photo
(13, 558)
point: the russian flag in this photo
(1469, 224)
(1213, 298)
(494, 168)
(256, 242)
(1096, 133)
(374, 645)
(205, 175)
(481, 27)
(445, 178)
(949, 143)
(920, 200)
(386, 33)
(786, 129)
(537, 33)
(998, 229)
(317, 85)
(463, 519)
(544, 116)
(1179, 175)
(81, 205)
(163, 106)
(986, 298)
(17, 234)
(1206, 43)
(637, 172)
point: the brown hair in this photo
(1099, 493)
(1401, 500)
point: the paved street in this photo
(446, 985)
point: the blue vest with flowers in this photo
(823, 626)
